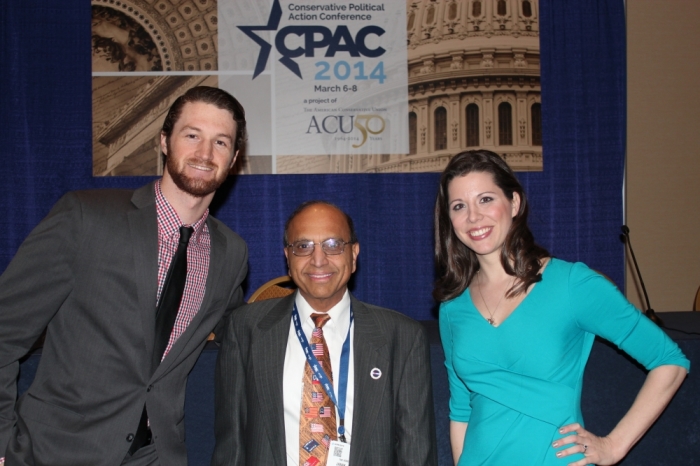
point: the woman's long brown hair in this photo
(457, 264)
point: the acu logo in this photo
(331, 124)
(315, 37)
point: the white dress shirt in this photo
(335, 331)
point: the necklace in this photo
(490, 320)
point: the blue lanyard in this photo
(321, 375)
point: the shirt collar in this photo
(339, 313)
(169, 221)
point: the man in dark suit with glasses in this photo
(319, 377)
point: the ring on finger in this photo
(585, 448)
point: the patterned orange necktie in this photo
(317, 419)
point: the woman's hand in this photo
(658, 389)
(597, 450)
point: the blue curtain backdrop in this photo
(45, 150)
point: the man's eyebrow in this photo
(220, 135)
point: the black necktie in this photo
(166, 312)
(170, 297)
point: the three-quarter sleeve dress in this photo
(518, 383)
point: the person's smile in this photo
(480, 233)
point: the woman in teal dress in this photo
(517, 328)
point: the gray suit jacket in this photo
(393, 418)
(88, 273)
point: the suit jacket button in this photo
(149, 388)
(130, 438)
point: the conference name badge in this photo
(338, 454)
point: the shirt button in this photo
(130, 438)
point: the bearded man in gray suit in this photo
(381, 390)
(91, 273)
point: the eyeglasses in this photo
(331, 246)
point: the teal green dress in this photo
(518, 383)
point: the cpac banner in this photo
(333, 74)
(329, 86)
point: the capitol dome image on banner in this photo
(328, 86)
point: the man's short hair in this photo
(304, 205)
(209, 95)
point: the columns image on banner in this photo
(328, 86)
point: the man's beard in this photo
(194, 186)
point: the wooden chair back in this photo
(276, 288)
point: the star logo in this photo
(273, 23)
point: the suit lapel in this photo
(216, 262)
(370, 352)
(143, 226)
(269, 345)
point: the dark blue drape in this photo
(45, 150)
